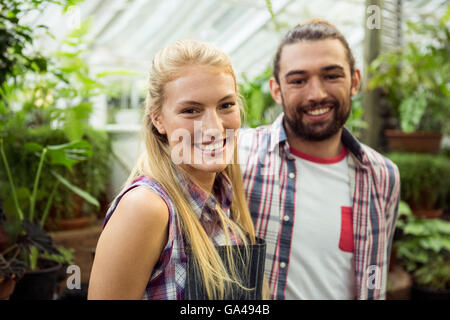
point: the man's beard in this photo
(308, 131)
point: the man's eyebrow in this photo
(333, 67)
(303, 72)
(294, 72)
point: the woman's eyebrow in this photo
(191, 102)
(196, 103)
(229, 96)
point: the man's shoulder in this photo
(381, 164)
(250, 136)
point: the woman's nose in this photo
(212, 124)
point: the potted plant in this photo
(415, 81)
(91, 175)
(424, 251)
(424, 186)
(28, 241)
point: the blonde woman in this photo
(181, 228)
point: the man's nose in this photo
(316, 91)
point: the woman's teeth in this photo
(318, 112)
(211, 146)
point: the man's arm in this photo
(392, 205)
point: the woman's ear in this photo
(157, 122)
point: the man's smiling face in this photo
(315, 88)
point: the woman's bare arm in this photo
(129, 246)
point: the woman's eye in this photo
(227, 105)
(189, 111)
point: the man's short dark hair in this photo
(312, 30)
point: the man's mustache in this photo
(314, 105)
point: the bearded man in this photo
(325, 203)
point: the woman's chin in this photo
(208, 167)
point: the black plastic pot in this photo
(39, 284)
(422, 293)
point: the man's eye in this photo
(333, 76)
(297, 81)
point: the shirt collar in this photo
(278, 137)
(203, 203)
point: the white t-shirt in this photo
(321, 258)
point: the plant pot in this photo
(428, 213)
(419, 142)
(421, 293)
(400, 284)
(6, 288)
(75, 223)
(39, 284)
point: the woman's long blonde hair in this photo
(156, 162)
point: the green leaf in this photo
(83, 194)
(411, 112)
(33, 147)
(70, 153)
(415, 229)
(23, 196)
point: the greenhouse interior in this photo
(87, 102)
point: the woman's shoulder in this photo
(145, 203)
(145, 200)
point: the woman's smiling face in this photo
(200, 116)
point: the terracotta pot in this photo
(419, 142)
(6, 288)
(428, 213)
(75, 223)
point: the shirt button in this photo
(291, 175)
(286, 218)
(282, 265)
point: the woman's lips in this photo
(211, 146)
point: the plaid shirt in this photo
(168, 278)
(269, 174)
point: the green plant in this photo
(355, 122)
(260, 109)
(65, 256)
(423, 179)
(26, 230)
(416, 77)
(40, 99)
(424, 248)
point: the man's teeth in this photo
(318, 112)
(211, 146)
